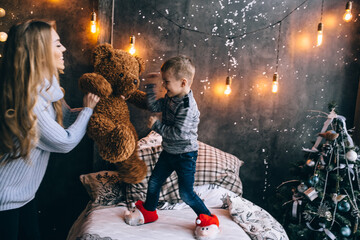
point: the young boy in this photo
(178, 128)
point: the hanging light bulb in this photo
(228, 83)
(319, 35)
(132, 45)
(347, 15)
(2, 12)
(275, 83)
(93, 23)
(3, 36)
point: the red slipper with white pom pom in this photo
(140, 215)
(207, 227)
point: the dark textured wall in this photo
(267, 131)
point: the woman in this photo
(34, 121)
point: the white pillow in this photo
(212, 195)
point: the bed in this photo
(217, 182)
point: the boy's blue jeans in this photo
(185, 166)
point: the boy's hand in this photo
(152, 120)
(153, 78)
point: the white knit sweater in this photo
(19, 180)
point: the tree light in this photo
(228, 88)
(275, 83)
(93, 23)
(319, 35)
(132, 45)
(347, 15)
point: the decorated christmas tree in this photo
(323, 200)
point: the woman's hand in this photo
(90, 100)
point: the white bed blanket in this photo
(108, 224)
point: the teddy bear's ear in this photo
(102, 51)
(141, 64)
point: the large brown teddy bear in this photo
(116, 80)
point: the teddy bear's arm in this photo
(96, 84)
(138, 98)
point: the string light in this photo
(93, 22)
(319, 35)
(320, 27)
(347, 15)
(242, 35)
(228, 88)
(2, 12)
(275, 82)
(3, 36)
(132, 45)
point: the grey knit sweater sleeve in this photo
(20, 179)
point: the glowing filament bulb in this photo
(228, 88)
(3, 36)
(347, 15)
(2, 12)
(93, 23)
(319, 35)
(132, 45)
(275, 83)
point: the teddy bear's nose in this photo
(135, 81)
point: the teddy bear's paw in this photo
(96, 84)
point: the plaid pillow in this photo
(213, 166)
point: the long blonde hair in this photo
(27, 60)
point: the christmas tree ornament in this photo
(315, 178)
(345, 231)
(337, 197)
(344, 206)
(311, 182)
(351, 156)
(310, 163)
(323, 209)
(328, 216)
(302, 188)
(330, 135)
(330, 168)
(311, 193)
(320, 167)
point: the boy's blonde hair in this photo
(181, 66)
